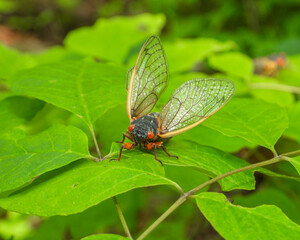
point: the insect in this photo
(190, 104)
(270, 65)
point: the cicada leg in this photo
(155, 154)
(128, 146)
(165, 150)
(125, 135)
(155, 146)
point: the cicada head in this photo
(144, 129)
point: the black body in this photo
(144, 124)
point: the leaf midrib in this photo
(53, 151)
(81, 96)
(44, 163)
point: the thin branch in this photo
(249, 167)
(274, 152)
(121, 216)
(184, 197)
(171, 209)
(297, 152)
(276, 86)
(95, 142)
(94, 158)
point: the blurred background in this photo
(258, 27)
(254, 28)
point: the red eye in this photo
(150, 135)
(130, 128)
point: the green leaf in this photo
(105, 237)
(291, 74)
(112, 39)
(296, 163)
(187, 177)
(93, 222)
(234, 63)
(12, 61)
(236, 222)
(241, 86)
(85, 88)
(209, 137)
(83, 184)
(294, 126)
(271, 195)
(56, 54)
(274, 174)
(283, 99)
(183, 54)
(50, 115)
(209, 161)
(26, 158)
(254, 120)
(8, 117)
(111, 126)
(12, 115)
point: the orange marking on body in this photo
(127, 146)
(280, 61)
(151, 145)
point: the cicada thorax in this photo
(144, 129)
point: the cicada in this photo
(270, 65)
(190, 104)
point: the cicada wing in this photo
(192, 103)
(129, 73)
(147, 79)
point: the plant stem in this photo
(297, 152)
(249, 167)
(175, 205)
(184, 197)
(276, 86)
(274, 152)
(94, 158)
(121, 216)
(95, 142)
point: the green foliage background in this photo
(53, 101)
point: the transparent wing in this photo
(192, 103)
(147, 79)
